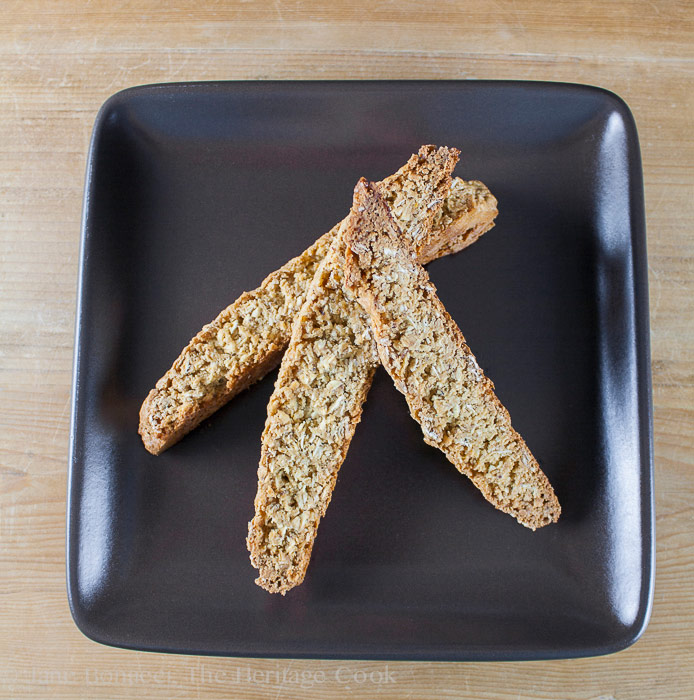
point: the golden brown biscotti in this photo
(247, 339)
(323, 381)
(237, 349)
(425, 353)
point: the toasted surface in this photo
(238, 348)
(425, 353)
(326, 374)
(324, 378)
(247, 339)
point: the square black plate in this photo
(194, 193)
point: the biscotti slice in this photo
(238, 348)
(323, 380)
(425, 353)
(248, 338)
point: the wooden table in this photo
(60, 60)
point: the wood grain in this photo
(60, 60)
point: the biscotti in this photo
(238, 348)
(247, 339)
(425, 353)
(323, 380)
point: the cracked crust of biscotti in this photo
(425, 353)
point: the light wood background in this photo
(60, 60)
